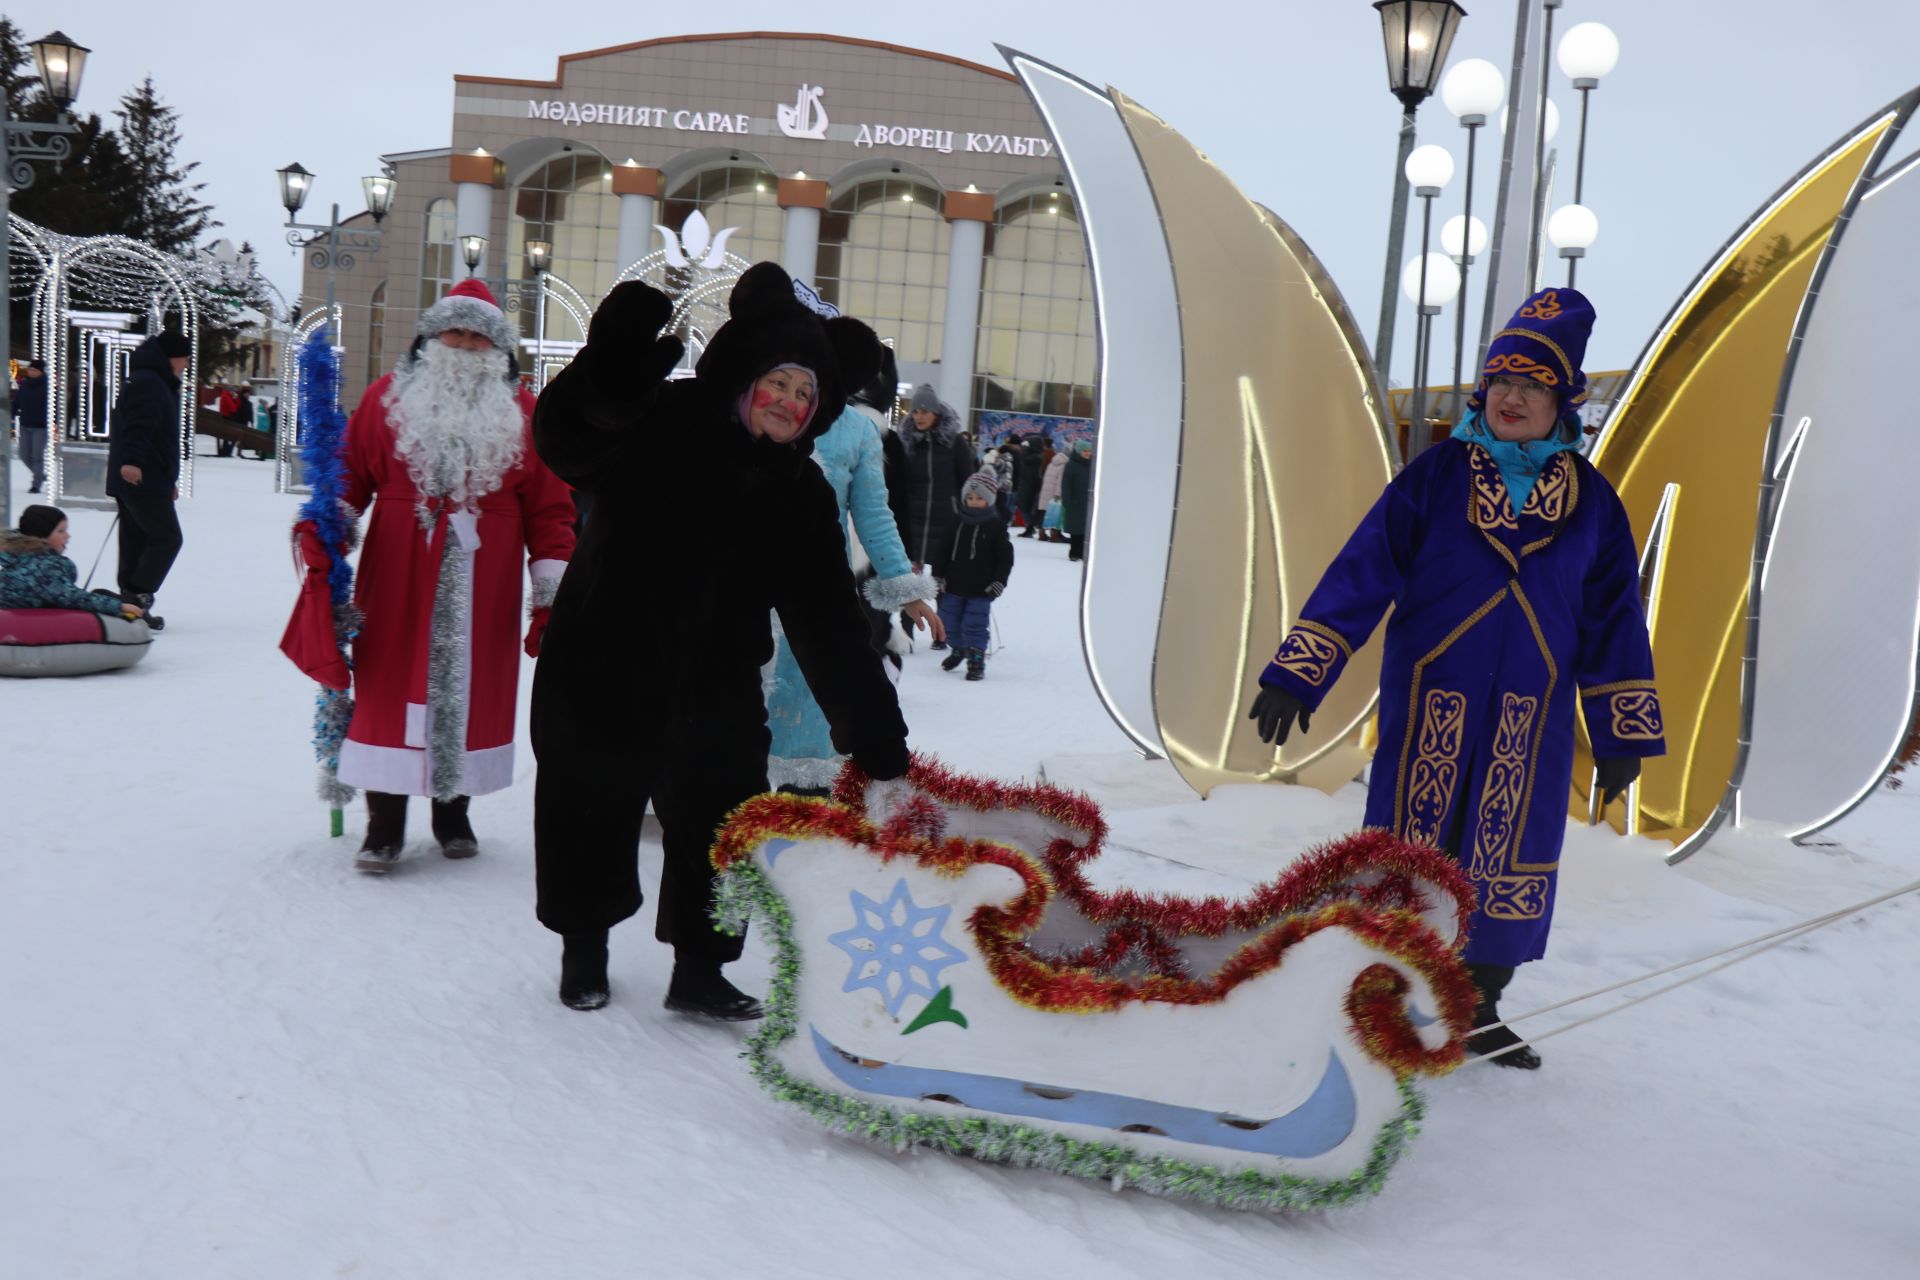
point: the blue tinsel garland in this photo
(323, 466)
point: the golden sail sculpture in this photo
(1686, 448)
(1279, 442)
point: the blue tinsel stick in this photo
(323, 464)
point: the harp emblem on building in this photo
(806, 118)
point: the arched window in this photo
(1036, 350)
(883, 259)
(742, 196)
(568, 201)
(439, 257)
(376, 330)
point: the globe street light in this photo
(61, 63)
(341, 243)
(1430, 282)
(1587, 53)
(1416, 35)
(1573, 229)
(1472, 91)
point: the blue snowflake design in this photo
(896, 947)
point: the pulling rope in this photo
(1751, 948)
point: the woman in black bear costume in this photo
(648, 684)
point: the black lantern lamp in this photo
(295, 185)
(379, 189)
(472, 249)
(1417, 35)
(539, 256)
(61, 63)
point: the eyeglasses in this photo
(1525, 388)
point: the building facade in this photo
(915, 191)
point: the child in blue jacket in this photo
(972, 566)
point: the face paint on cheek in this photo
(762, 397)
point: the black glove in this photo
(1275, 710)
(1614, 776)
(624, 338)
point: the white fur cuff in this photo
(891, 594)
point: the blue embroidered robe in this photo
(1501, 624)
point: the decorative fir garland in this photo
(323, 464)
(1324, 890)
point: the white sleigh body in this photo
(952, 981)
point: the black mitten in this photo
(1615, 776)
(1275, 709)
(628, 357)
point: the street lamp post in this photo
(61, 64)
(1417, 35)
(295, 185)
(539, 259)
(1462, 237)
(1429, 170)
(1587, 53)
(1472, 91)
(1430, 281)
(1573, 229)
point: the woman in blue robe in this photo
(1510, 565)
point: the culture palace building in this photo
(916, 191)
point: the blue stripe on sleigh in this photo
(1315, 1127)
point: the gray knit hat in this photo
(925, 398)
(469, 305)
(982, 483)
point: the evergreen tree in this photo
(164, 208)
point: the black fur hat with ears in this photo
(767, 326)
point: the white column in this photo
(800, 242)
(472, 216)
(965, 260)
(636, 230)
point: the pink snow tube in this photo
(68, 642)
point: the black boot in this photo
(451, 828)
(583, 970)
(1490, 980)
(976, 664)
(386, 832)
(699, 988)
(953, 659)
(154, 621)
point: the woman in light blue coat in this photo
(802, 756)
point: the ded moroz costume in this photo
(1514, 582)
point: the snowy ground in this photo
(228, 1055)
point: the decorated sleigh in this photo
(954, 980)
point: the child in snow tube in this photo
(48, 625)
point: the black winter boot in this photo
(451, 828)
(583, 970)
(953, 659)
(1490, 980)
(976, 664)
(699, 988)
(145, 600)
(386, 832)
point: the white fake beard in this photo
(457, 421)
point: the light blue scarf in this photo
(1520, 461)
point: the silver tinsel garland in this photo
(446, 671)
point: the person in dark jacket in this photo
(1076, 492)
(973, 568)
(30, 408)
(143, 467)
(938, 461)
(36, 574)
(649, 679)
(1030, 468)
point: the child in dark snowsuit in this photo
(36, 574)
(973, 566)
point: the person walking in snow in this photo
(650, 686)
(938, 461)
(1076, 498)
(440, 450)
(972, 570)
(1030, 470)
(36, 574)
(1051, 478)
(30, 411)
(143, 467)
(1510, 566)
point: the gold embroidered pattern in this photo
(1515, 898)
(1413, 701)
(1436, 770)
(1545, 307)
(1487, 504)
(1500, 798)
(1554, 493)
(1539, 730)
(1307, 654)
(1544, 341)
(1636, 715)
(1615, 687)
(1514, 362)
(1321, 629)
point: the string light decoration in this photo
(699, 296)
(287, 442)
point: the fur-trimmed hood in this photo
(944, 431)
(14, 542)
(768, 326)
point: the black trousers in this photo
(588, 804)
(149, 541)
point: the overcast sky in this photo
(1713, 105)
